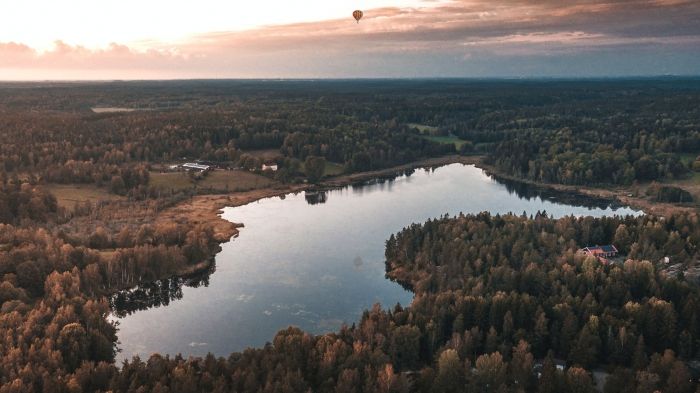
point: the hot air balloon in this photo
(357, 15)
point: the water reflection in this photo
(522, 190)
(314, 260)
(157, 293)
(315, 197)
(529, 191)
(162, 292)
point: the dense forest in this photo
(596, 157)
(500, 301)
(503, 303)
(74, 145)
(23, 201)
(566, 132)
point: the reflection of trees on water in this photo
(367, 185)
(316, 197)
(529, 191)
(157, 293)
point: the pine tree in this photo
(521, 366)
(490, 373)
(450, 375)
(640, 360)
(549, 379)
(579, 381)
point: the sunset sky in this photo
(158, 39)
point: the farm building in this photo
(191, 166)
(608, 251)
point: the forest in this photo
(501, 301)
(569, 132)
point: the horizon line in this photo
(330, 79)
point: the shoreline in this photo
(620, 194)
(353, 178)
(208, 209)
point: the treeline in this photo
(359, 360)
(594, 157)
(28, 256)
(379, 146)
(606, 133)
(118, 179)
(21, 201)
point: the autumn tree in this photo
(314, 167)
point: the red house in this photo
(601, 252)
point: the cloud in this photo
(64, 55)
(456, 38)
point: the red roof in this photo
(595, 250)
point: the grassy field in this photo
(68, 194)
(218, 180)
(237, 180)
(446, 139)
(170, 180)
(424, 129)
(331, 169)
(692, 182)
(429, 132)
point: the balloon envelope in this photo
(357, 15)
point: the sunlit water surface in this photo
(316, 266)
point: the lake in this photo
(313, 260)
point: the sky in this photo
(158, 39)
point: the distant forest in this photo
(564, 132)
(501, 301)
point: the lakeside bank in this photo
(207, 209)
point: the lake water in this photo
(312, 260)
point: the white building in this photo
(195, 167)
